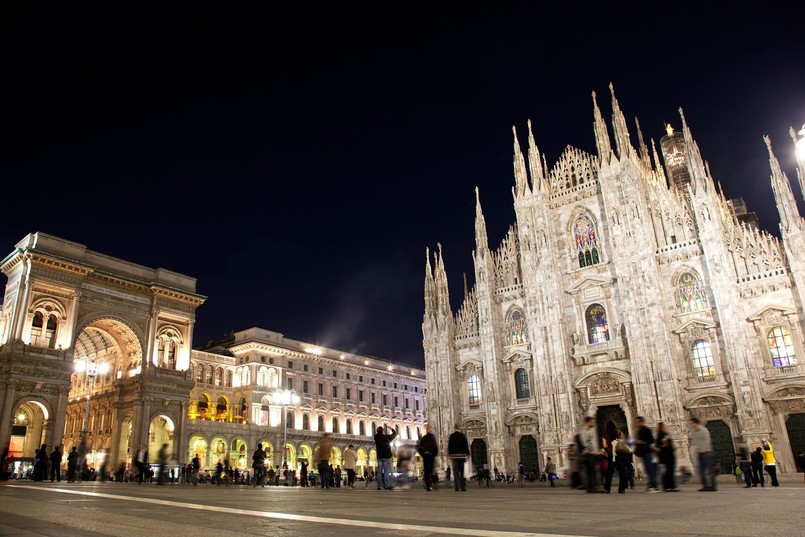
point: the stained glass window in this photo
(691, 297)
(474, 389)
(597, 327)
(521, 384)
(703, 366)
(517, 328)
(781, 347)
(586, 241)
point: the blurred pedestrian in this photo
(667, 456)
(428, 449)
(700, 442)
(350, 462)
(459, 449)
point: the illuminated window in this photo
(521, 384)
(597, 327)
(703, 366)
(781, 347)
(305, 422)
(517, 330)
(474, 389)
(586, 240)
(691, 296)
(335, 425)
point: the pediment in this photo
(470, 364)
(517, 356)
(694, 323)
(590, 282)
(769, 312)
(321, 409)
(708, 400)
(306, 407)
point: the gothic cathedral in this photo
(622, 289)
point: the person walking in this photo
(162, 455)
(428, 449)
(459, 449)
(645, 449)
(55, 465)
(769, 461)
(608, 441)
(383, 449)
(703, 447)
(591, 454)
(259, 466)
(550, 471)
(667, 456)
(141, 464)
(350, 462)
(323, 453)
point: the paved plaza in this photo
(95, 509)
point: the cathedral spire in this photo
(799, 149)
(644, 156)
(429, 284)
(694, 157)
(481, 240)
(601, 135)
(535, 163)
(657, 165)
(443, 293)
(520, 173)
(466, 289)
(619, 128)
(783, 196)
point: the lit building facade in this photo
(624, 288)
(65, 304)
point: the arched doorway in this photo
(218, 451)
(529, 455)
(361, 465)
(614, 413)
(198, 447)
(28, 429)
(238, 455)
(160, 432)
(723, 447)
(478, 453)
(795, 425)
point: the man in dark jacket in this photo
(383, 447)
(459, 449)
(428, 449)
(72, 464)
(55, 465)
(259, 466)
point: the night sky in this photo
(297, 162)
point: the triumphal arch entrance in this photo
(93, 347)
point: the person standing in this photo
(72, 464)
(55, 465)
(141, 464)
(459, 449)
(667, 457)
(350, 462)
(162, 454)
(645, 449)
(757, 468)
(259, 466)
(608, 440)
(768, 459)
(323, 453)
(303, 475)
(700, 442)
(383, 448)
(550, 471)
(41, 463)
(428, 449)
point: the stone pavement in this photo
(108, 509)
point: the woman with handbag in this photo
(667, 457)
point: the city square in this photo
(500, 511)
(253, 254)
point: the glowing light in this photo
(669, 129)
(314, 350)
(390, 368)
(21, 417)
(800, 147)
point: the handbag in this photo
(622, 448)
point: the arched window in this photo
(597, 327)
(243, 408)
(349, 426)
(228, 377)
(361, 428)
(320, 423)
(219, 377)
(203, 403)
(273, 378)
(210, 374)
(517, 327)
(245, 378)
(521, 384)
(373, 430)
(407, 432)
(586, 240)
(221, 408)
(200, 373)
(474, 390)
(43, 331)
(691, 296)
(289, 420)
(703, 366)
(305, 422)
(335, 425)
(781, 347)
(262, 376)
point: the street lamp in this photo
(91, 368)
(285, 398)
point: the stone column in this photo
(6, 417)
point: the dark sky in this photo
(298, 161)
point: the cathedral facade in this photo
(625, 288)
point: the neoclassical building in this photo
(625, 287)
(65, 304)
